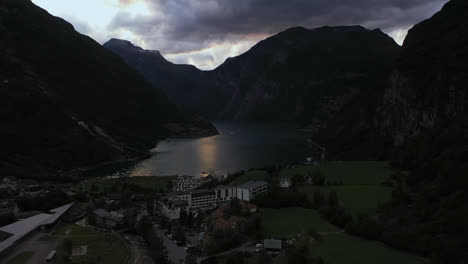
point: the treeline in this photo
(428, 213)
(246, 226)
(48, 201)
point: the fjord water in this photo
(239, 146)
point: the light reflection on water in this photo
(239, 146)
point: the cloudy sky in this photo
(206, 32)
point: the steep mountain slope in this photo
(305, 75)
(429, 88)
(424, 112)
(66, 101)
(184, 84)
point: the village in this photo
(261, 215)
(178, 216)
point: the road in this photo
(139, 253)
(243, 248)
(174, 252)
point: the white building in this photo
(210, 198)
(248, 191)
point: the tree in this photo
(183, 217)
(319, 198)
(317, 178)
(190, 259)
(180, 235)
(332, 199)
(297, 180)
(169, 185)
(235, 207)
(67, 247)
(189, 220)
(150, 205)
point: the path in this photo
(243, 248)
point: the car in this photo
(258, 250)
(186, 248)
(259, 245)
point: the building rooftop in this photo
(252, 184)
(101, 212)
(203, 191)
(23, 227)
(272, 243)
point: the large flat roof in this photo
(23, 227)
(252, 184)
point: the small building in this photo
(285, 183)
(108, 219)
(171, 206)
(33, 191)
(115, 220)
(249, 190)
(11, 182)
(272, 244)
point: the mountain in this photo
(185, 85)
(423, 111)
(428, 87)
(300, 76)
(67, 102)
(305, 76)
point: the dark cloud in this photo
(189, 25)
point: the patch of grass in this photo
(106, 248)
(357, 199)
(345, 249)
(349, 173)
(254, 175)
(287, 222)
(21, 258)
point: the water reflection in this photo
(239, 146)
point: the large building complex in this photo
(172, 204)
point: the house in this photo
(11, 182)
(33, 191)
(285, 183)
(100, 217)
(248, 191)
(171, 206)
(272, 244)
(108, 219)
(115, 220)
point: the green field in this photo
(348, 173)
(103, 247)
(21, 258)
(254, 175)
(287, 222)
(357, 199)
(345, 249)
